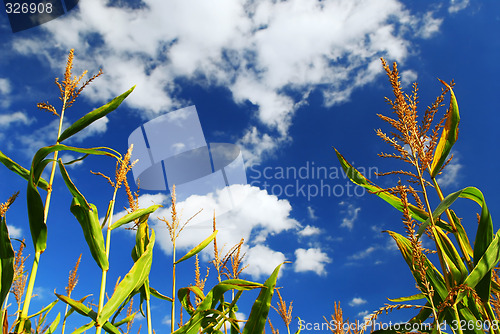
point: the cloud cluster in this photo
(270, 53)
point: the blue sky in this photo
(283, 80)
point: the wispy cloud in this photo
(19, 117)
(457, 5)
(450, 175)
(363, 254)
(311, 213)
(356, 301)
(312, 259)
(351, 214)
(5, 89)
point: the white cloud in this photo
(363, 314)
(351, 214)
(166, 320)
(244, 221)
(311, 213)
(5, 89)
(430, 25)
(15, 232)
(308, 231)
(363, 254)
(450, 174)
(16, 117)
(312, 259)
(408, 77)
(262, 261)
(270, 53)
(457, 5)
(356, 301)
(5, 86)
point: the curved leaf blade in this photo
(6, 261)
(134, 215)
(89, 221)
(357, 178)
(20, 170)
(93, 116)
(198, 248)
(448, 136)
(260, 309)
(88, 312)
(132, 281)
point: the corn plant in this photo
(212, 311)
(458, 288)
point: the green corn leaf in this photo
(486, 263)
(462, 235)
(358, 178)
(418, 296)
(89, 221)
(84, 310)
(20, 170)
(26, 329)
(36, 217)
(71, 310)
(209, 302)
(298, 331)
(6, 260)
(38, 227)
(448, 136)
(451, 256)
(423, 315)
(134, 215)
(185, 300)
(260, 309)
(54, 324)
(484, 234)
(132, 281)
(126, 320)
(159, 295)
(484, 237)
(83, 328)
(433, 275)
(198, 248)
(471, 193)
(72, 188)
(93, 116)
(45, 309)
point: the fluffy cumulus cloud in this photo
(312, 259)
(309, 231)
(15, 232)
(262, 260)
(244, 221)
(269, 53)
